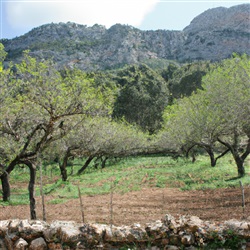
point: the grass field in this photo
(128, 174)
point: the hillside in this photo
(213, 35)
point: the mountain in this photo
(213, 35)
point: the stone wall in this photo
(185, 232)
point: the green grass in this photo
(130, 174)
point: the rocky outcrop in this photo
(217, 33)
(213, 35)
(185, 232)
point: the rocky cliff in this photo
(217, 33)
(213, 35)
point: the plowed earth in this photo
(142, 206)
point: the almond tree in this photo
(217, 114)
(228, 87)
(99, 137)
(38, 107)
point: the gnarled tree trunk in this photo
(31, 189)
(85, 165)
(235, 148)
(63, 166)
(5, 179)
(5, 186)
(240, 165)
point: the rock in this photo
(54, 246)
(193, 223)
(65, 232)
(38, 244)
(38, 226)
(187, 240)
(174, 240)
(30, 230)
(242, 228)
(13, 236)
(191, 248)
(170, 222)
(93, 233)
(136, 233)
(51, 234)
(165, 241)
(2, 245)
(154, 248)
(20, 244)
(8, 242)
(4, 225)
(117, 234)
(13, 226)
(157, 230)
(171, 248)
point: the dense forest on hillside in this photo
(50, 114)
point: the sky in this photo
(20, 16)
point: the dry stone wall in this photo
(184, 232)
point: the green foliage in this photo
(142, 97)
(160, 65)
(37, 101)
(229, 241)
(39, 106)
(185, 80)
(217, 115)
(134, 173)
(101, 137)
(3, 54)
(227, 87)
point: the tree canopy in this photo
(38, 106)
(219, 113)
(142, 98)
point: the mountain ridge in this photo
(213, 35)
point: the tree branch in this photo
(30, 136)
(247, 152)
(225, 144)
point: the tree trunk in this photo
(193, 157)
(85, 165)
(5, 179)
(63, 166)
(63, 170)
(104, 161)
(239, 160)
(5, 186)
(31, 189)
(240, 165)
(211, 156)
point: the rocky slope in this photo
(213, 35)
(218, 32)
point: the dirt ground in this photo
(142, 206)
